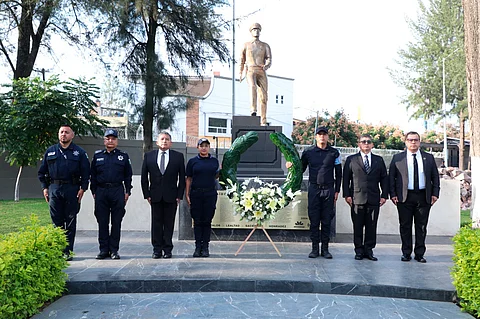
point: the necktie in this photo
(415, 173)
(366, 164)
(162, 163)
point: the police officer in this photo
(201, 194)
(111, 182)
(325, 178)
(64, 174)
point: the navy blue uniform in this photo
(203, 196)
(111, 179)
(325, 178)
(63, 172)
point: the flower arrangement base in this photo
(250, 235)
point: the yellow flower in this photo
(248, 204)
(258, 214)
(272, 204)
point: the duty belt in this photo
(109, 185)
(203, 189)
(61, 181)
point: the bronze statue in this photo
(256, 58)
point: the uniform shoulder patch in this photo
(98, 151)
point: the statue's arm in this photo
(268, 57)
(243, 57)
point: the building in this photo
(210, 108)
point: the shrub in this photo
(31, 265)
(466, 269)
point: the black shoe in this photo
(326, 254)
(167, 255)
(358, 257)
(254, 113)
(205, 252)
(420, 259)
(197, 252)
(370, 257)
(115, 255)
(103, 255)
(315, 251)
(406, 258)
(156, 255)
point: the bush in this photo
(466, 269)
(31, 265)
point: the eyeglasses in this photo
(412, 140)
(366, 142)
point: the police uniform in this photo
(325, 178)
(64, 172)
(111, 179)
(203, 198)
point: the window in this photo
(216, 125)
(281, 99)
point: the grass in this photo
(465, 218)
(12, 213)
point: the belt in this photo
(203, 189)
(61, 182)
(109, 185)
(327, 186)
(418, 191)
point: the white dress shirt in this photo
(421, 173)
(159, 158)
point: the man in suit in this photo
(363, 173)
(414, 188)
(163, 184)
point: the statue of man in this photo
(256, 58)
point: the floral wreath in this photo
(258, 201)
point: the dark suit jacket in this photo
(398, 174)
(168, 186)
(363, 187)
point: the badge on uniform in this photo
(75, 153)
(120, 157)
(99, 159)
(50, 153)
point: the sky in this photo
(337, 52)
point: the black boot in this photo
(205, 252)
(315, 251)
(198, 249)
(325, 253)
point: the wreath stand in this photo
(250, 235)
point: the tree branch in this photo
(5, 52)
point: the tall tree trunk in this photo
(461, 145)
(472, 53)
(149, 86)
(17, 184)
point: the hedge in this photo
(466, 269)
(31, 269)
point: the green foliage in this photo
(466, 269)
(12, 213)
(439, 35)
(33, 110)
(31, 269)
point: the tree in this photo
(190, 32)
(472, 49)
(438, 47)
(32, 111)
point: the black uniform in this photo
(203, 196)
(111, 179)
(325, 178)
(63, 172)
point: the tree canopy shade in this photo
(189, 35)
(433, 61)
(33, 110)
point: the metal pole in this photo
(233, 61)
(445, 142)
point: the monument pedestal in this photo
(262, 159)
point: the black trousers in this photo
(202, 209)
(163, 222)
(364, 217)
(320, 211)
(414, 209)
(64, 207)
(109, 207)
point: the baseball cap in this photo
(321, 129)
(203, 140)
(112, 132)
